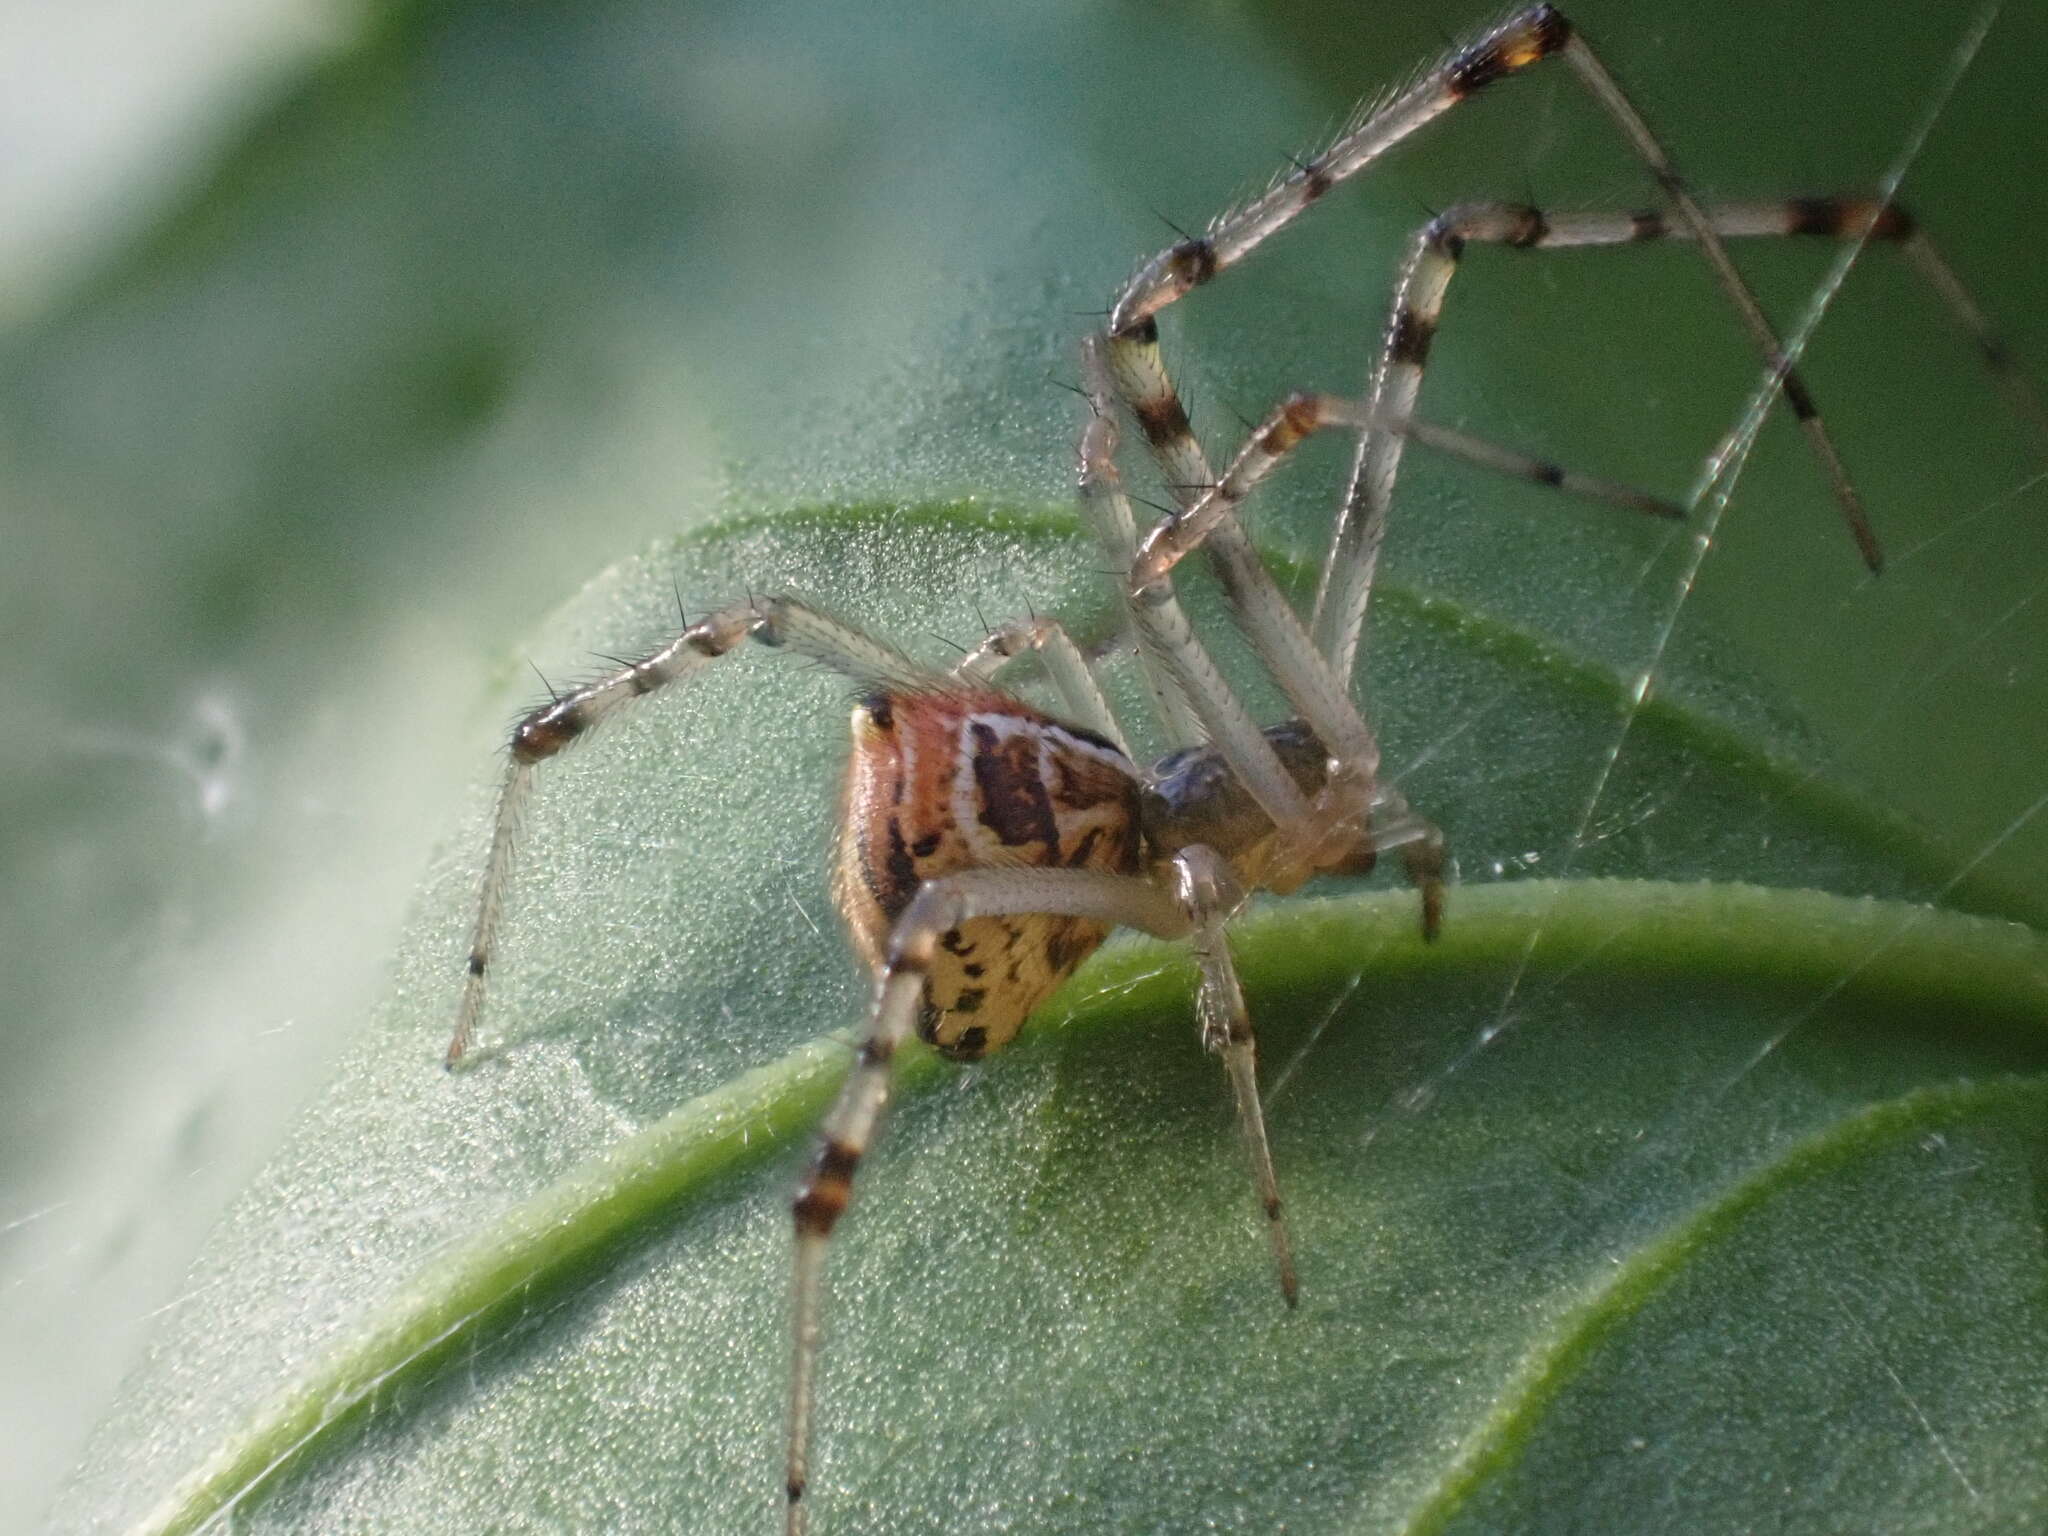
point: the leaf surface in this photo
(1665, 1192)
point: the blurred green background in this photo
(456, 305)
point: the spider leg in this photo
(774, 621)
(1180, 534)
(1837, 218)
(1399, 828)
(2020, 395)
(1312, 834)
(1210, 894)
(1351, 800)
(1339, 814)
(1081, 696)
(1344, 591)
(1524, 39)
(849, 1128)
(1107, 511)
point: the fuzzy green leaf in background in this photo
(1691, 1183)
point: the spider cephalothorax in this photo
(1192, 799)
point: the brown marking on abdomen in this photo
(1034, 793)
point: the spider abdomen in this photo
(942, 781)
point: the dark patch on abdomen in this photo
(1014, 802)
(897, 880)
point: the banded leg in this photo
(1397, 827)
(1179, 534)
(1260, 608)
(774, 621)
(1527, 38)
(1166, 640)
(1311, 836)
(849, 1128)
(1831, 218)
(1346, 812)
(1345, 589)
(1081, 696)
(1107, 511)
(1210, 894)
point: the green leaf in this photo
(1500, 1151)
(1768, 943)
(1666, 1191)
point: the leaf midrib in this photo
(1797, 945)
(1624, 1289)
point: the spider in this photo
(987, 847)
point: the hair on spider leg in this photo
(1164, 509)
(1294, 168)
(553, 696)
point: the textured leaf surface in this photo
(1660, 1204)
(1506, 1156)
